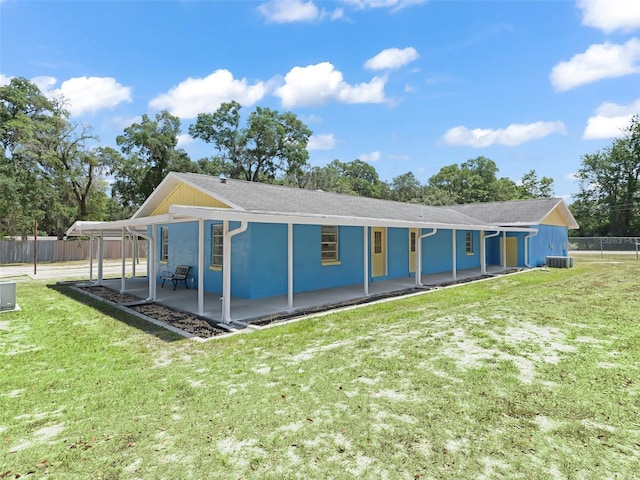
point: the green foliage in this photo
(150, 153)
(609, 187)
(49, 173)
(271, 144)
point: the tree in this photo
(474, 181)
(531, 187)
(271, 144)
(150, 153)
(405, 188)
(608, 179)
(361, 176)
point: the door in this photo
(413, 238)
(378, 252)
(512, 251)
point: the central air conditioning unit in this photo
(7, 295)
(559, 262)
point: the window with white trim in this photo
(164, 244)
(330, 246)
(469, 243)
(217, 245)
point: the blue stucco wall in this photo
(551, 240)
(259, 257)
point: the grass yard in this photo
(528, 376)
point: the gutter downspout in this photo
(151, 263)
(484, 252)
(226, 268)
(419, 255)
(454, 254)
(526, 248)
(201, 266)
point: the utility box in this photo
(7, 295)
(560, 262)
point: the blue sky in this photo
(407, 85)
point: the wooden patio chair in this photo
(180, 275)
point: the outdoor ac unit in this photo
(560, 262)
(7, 295)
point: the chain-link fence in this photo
(605, 244)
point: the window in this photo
(377, 241)
(164, 246)
(330, 244)
(412, 242)
(217, 243)
(469, 243)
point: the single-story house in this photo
(251, 240)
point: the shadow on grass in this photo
(119, 314)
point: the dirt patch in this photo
(185, 321)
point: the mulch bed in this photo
(185, 321)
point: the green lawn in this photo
(534, 375)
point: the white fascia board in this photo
(85, 228)
(211, 213)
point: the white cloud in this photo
(392, 58)
(4, 79)
(514, 134)
(184, 139)
(204, 95)
(90, 94)
(610, 120)
(394, 5)
(323, 141)
(370, 157)
(288, 11)
(600, 61)
(44, 83)
(610, 15)
(320, 83)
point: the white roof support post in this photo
(454, 262)
(201, 266)
(504, 250)
(365, 243)
(226, 267)
(419, 255)
(91, 258)
(152, 260)
(134, 254)
(100, 257)
(483, 248)
(290, 266)
(123, 247)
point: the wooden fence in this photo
(22, 251)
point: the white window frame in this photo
(217, 245)
(469, 243)
(164, 244)
(330, 244)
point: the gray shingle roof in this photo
(518, 212)
(261, 197)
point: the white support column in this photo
(201, 266)
(483, 256)
(504, 249)
(134, 254)
(152, 263)
(290, 266)
(455, 255)
(100, 257)
(226, 273)
(366, 260)
(123, 251)
(91, 258)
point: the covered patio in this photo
(243, 310)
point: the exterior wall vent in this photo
(559, 262)
(7, 295)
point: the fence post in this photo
(601, 252)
